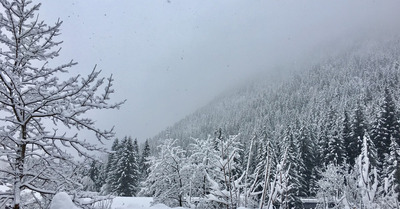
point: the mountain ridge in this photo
(356, 76)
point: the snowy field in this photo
(63, 201)
(135, 202)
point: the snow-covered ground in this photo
(135, 202)
(62, 200)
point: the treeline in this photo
(351, 164)
(329, 133)
(122, 173)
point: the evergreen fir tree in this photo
(95, 174)
(354, 142)
(126, 170)
(347, 139)
(144, 163)
(136, 149)
(307, 163)
(336, 150)
(392, 166)
(137, 156)
(291, 195)
(386, 128)
(368, 175)
(110, 169)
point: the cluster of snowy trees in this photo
(344, 167)
(303, 137)
(122, 173)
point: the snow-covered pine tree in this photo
(96, 174)
(126, 170)
(291, 194)
(346, 138)
(392, 169)
(334, 152)
(136, 153)
(136, 149)
(358, 128)
(108, 187)
(306, 164)
(367, 175)
(386, 128)
(33, 95)
(280, 186)
(144, 163)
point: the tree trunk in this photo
(19, 169)
(18, 178)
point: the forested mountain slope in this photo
(331, 131)
(356, 78)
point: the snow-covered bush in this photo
(62, 201)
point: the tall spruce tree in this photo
(95, 173)
(136, 153)
(126, 170)
(336, 150)
(110, 168)
(368, 175)
(346, 137)
(386, 129)
(307, 162)
(392, 166)
(144, 162)
(293, 163)
(358, 128)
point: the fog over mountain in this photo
(171, 57)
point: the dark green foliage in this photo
(97, 175)
(333, 146)
(126, 170)
(358, 128)
(110, 168)
(294, 179)
(347, 139)
(386, 129)
(122, 169)
(306, 153)
(392, 165)
(144, 164)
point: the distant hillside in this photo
(356, 77)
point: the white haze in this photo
(169, 58)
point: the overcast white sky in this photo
(170, 58)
